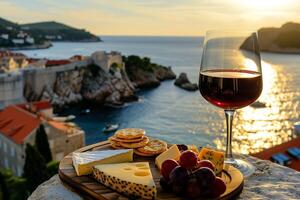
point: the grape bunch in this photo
(190, 177)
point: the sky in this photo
(154, 17)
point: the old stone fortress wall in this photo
(12, 83)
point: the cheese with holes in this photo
(216, 157)
(131, 179)
(172, 153)
(83, 162)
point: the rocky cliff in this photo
(144, 74)
(93, 84)
(285, 39)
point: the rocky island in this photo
(14, 36)
(285, 39)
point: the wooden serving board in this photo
(88, 188)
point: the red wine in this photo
(230, 89)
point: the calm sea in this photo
(178, 116)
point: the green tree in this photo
(35, 170)
(4, 194)
(42, 144)
(13, 187)
(52, 167)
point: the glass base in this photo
(245, 167)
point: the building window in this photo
(12, 151)
(5, 163)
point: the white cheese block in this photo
(172, 153)
(132, 179)
(83, 162)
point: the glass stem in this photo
(229, 114)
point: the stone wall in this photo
(60, 142)
(11, 89)
(12, 154)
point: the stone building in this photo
(105, 60)
(18, 125)
(10, 61)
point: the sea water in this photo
(179, 116)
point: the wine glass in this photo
(231, 78)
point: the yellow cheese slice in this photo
(83, 162)
(132, 179)
(172, 153)
(216, 157)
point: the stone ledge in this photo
(270, 181)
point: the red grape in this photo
(182, 147)
(188, 159)
(178, 179)
(220, 187)
(165, 184)
(206, 163)
(193, 191)
(167, 166)
(205, 176)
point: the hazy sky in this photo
(154, 17)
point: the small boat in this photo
(85, 111)
(64, 119)
(110, 127)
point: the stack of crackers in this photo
(134, 138)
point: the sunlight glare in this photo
(265, 4)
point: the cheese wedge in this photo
(172, 153)
(131, 179)
(83, 162)
(216, 157)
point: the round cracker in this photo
(130, 133)
(154, 146)
(114, 138)
(135, 145)
(115, 145)
(143, 154)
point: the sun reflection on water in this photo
(259, 128)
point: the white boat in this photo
(85, 111)
(110, 127)
(64, 119)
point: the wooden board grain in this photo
(88, 188)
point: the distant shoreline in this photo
(46, 45)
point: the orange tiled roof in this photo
(59, 125)
(17, 124)
(50, 63)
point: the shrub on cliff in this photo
(42, 144)
(143, 63)
(35, 170)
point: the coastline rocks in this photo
(183, 82)
(145, 74)
(164, 73)
(141, 78)
(103, 88)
